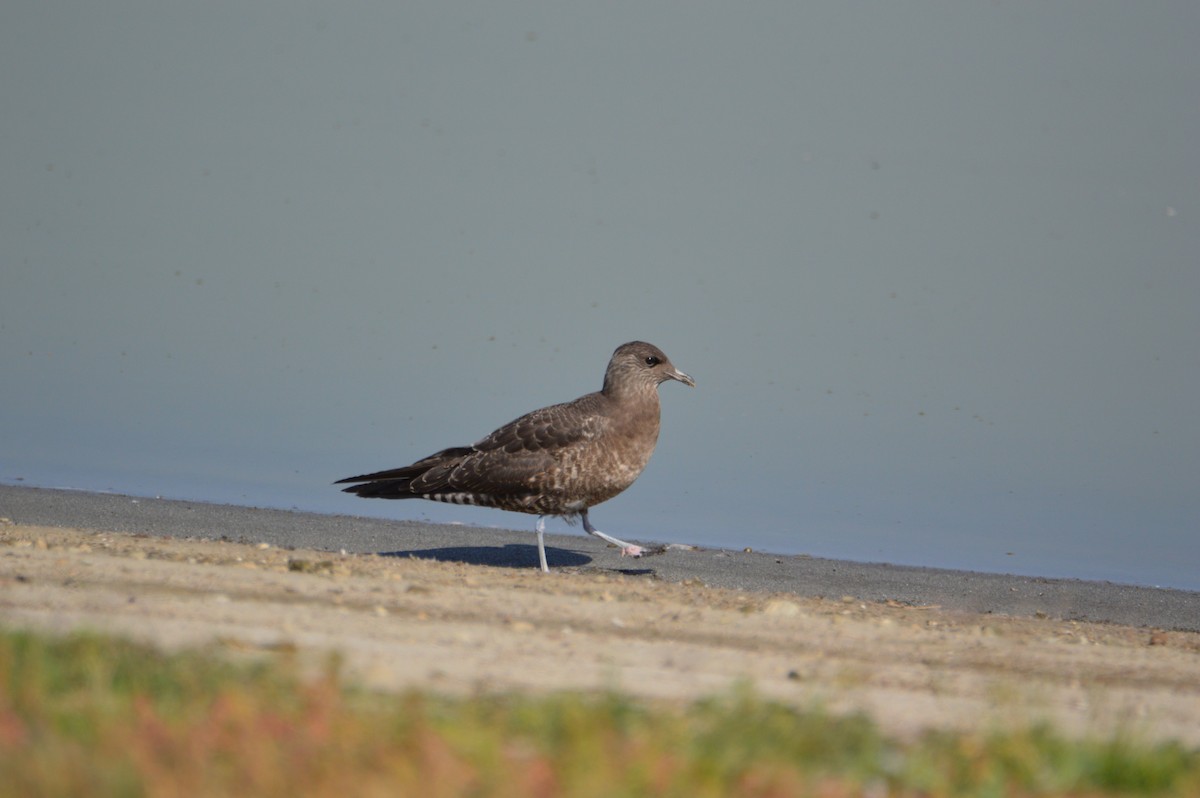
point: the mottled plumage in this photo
(559, 460)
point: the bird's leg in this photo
(541, 533)
(627, 549)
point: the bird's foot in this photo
(627, 549)
(642, 551)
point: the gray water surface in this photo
(934, 268)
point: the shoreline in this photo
(800, 575)
(464, 611)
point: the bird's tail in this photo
(394, 483)
(381, 489)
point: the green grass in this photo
(96, 716)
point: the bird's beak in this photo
(676, 374)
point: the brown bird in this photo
(559, 460)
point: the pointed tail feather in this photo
(383, 489)
(396, 483)
(411, 471)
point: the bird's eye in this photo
(652, 361)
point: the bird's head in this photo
(638, 365)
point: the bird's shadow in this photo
(510, 555)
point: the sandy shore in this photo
(445, 622)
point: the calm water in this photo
(935, 273)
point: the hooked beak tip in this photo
(685, 379)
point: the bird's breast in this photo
(604, 466)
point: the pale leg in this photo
(541, 533)
(627, 549)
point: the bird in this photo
(560, 460)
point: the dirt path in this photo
(459, 628)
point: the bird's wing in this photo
(521, 456)
(554, 428)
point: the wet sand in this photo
(966, 591)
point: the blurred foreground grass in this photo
(97, 716)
